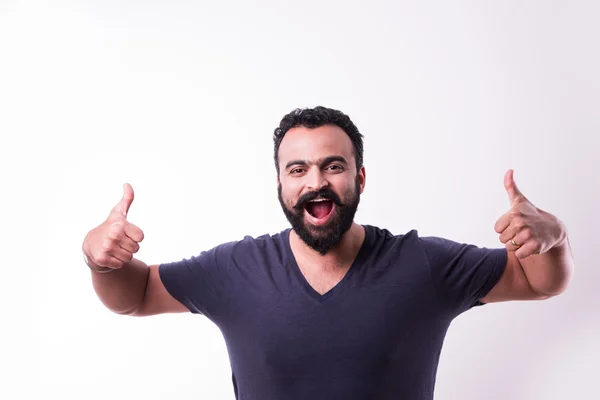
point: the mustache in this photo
(324, 193)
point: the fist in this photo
(525, 229)
(113, 243)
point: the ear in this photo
(362, 177)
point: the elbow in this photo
(133, 312)
(121, 309)
(559, 280)
(126, 311)
(554, 290)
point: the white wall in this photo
(180, 99)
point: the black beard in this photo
(323, 238)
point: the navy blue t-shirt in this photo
(377, 334)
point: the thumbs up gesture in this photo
(525, 229)
(113, 243)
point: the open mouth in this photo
(319, 208)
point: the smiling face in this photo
(318, 185)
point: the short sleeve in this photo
(463, 273)
(200, 282)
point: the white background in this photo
(180, 99)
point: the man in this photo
(331, 309)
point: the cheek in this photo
(290, 194)
(347, 189)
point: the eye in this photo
(336, 168)
(296, 171)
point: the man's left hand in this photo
(525, 229)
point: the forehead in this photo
(301, 143)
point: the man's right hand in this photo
(113, 243)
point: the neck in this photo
(344, 252)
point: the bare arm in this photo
(122, 290)
(136, 289)
(124, 284)
(537, 277)
(540, 263)
(550, 273)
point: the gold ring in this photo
(514, 243)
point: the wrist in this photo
(94, 267)
(563, 240)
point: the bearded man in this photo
(332, 309)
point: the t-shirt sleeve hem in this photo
(170, 284)
(501, 256)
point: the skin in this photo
(107, 249)
(313, 147)
(540, 267)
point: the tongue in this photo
(321, 209)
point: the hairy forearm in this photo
(549, 273)
(122, 290)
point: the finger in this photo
(513, 237)
(115, 232)
(514, 194)
(133, 232)
(129, 245)
(108, 261)
(121, 254)
(510, 246)
(502, 223)
(526, 250)
(523, 243)
(123, 207)
(510, 232)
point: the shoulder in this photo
(379, 234)
(413, 237)
(440, 248)
(387, 247)
(436, 246)
(247, 249)
(436, 249)
(383, 239)
(251, 249)
(461, 261)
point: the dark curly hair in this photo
(314, 118)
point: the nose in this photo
(316, 180)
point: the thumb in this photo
(123, 206)
(514, 194)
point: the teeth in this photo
(318, 200)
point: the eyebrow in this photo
(321, 162)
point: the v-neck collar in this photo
(356, 264)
